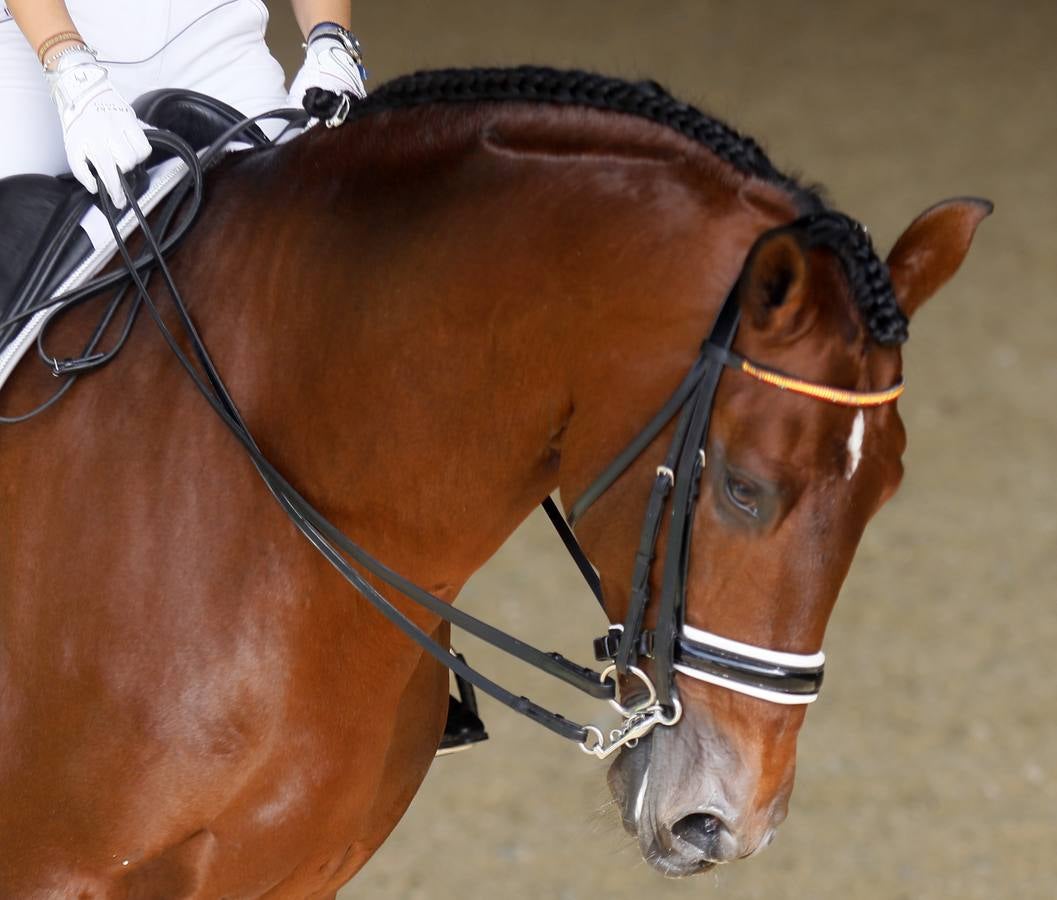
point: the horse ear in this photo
(774, 286)
(932, 248)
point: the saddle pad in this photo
(163, 178)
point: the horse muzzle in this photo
(690, 811)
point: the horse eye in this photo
(744, 495)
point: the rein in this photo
(767, 674)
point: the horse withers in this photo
(477, 290)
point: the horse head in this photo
(788, 487)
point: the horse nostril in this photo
(700, 830)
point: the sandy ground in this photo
(929, 767)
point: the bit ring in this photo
(628, 711)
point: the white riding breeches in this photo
(215, 47)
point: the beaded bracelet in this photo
(76, 48)
(57, 39)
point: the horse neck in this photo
(439, 308)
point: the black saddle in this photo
(39, 240)
(40, 243)
(197, 118)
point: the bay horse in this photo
(474, 293)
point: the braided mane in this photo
(867, 274)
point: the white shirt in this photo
(146, 26)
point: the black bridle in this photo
(672, 645)
(767, 674)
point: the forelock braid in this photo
(866, 273)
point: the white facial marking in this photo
(858, 431)
(642, 794)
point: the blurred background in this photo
(929, 767)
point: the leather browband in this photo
(813, 389)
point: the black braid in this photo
(532, 84)
(646, 99)
(867, 275)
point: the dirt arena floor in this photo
(929, 767)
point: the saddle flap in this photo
(40, 213)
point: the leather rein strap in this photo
(339, 550)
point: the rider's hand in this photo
(98, 126)
(332, 62)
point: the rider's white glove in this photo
(332, 62)
(98, 126)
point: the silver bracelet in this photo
(79, 48)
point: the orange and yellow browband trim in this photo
(819, 391)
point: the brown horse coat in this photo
(426, 318)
